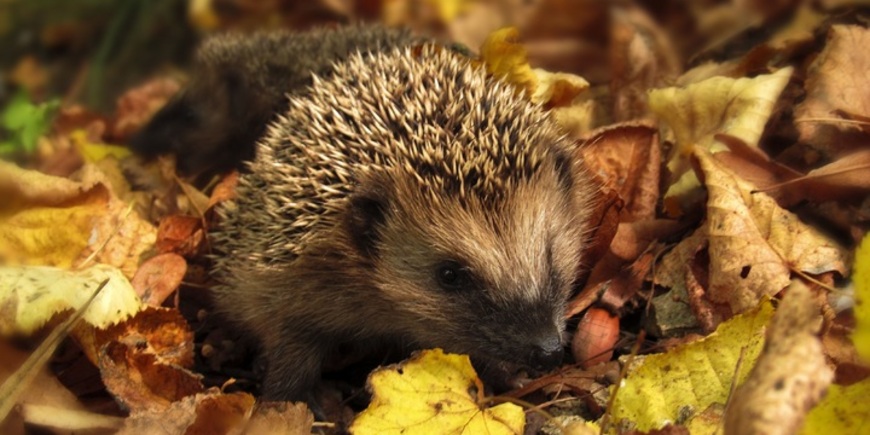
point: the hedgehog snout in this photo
(547, 353)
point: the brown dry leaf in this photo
(847, 178)
(626, 157)
(182, 235)
(752, 244)
(791, 374)
(836, 82)
(756, 167)
(158, 277)
(618, 275)
(224, 190)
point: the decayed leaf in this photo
(677, 385)
(431, 393)
(142, 360)
(31, 296)
(791, 374)
(719, 105)
(752, 243)
(836, 82)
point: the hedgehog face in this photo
(485, 276)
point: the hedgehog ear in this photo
(365, 216)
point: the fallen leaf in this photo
(57, 222)
(159, 277)
(507, 59)
(214, 413)
(627, 158)
(136, 106)
(835, 83)
(677, 385)
(433, 392)
(280, 417)
(31, 296)
(719, 105)
(752, 243)
(791, 374)
(142, 360)
(847, 178)
(844, 409)
(183, 235)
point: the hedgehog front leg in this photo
(294, 362)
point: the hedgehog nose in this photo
(547, 354)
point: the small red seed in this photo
(596, 335)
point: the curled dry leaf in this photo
(752, 244)
(836, 81)
(791, 374)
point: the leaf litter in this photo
(754, 123)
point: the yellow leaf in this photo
(507, 59)
(31, 296)
(449, 9)
(432, 393)
(844, 410)
(697, 112)
(52, 221)
(675, 386)
(94, 152)
(861, 280)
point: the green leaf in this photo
(24, 122)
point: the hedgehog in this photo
(239, 82)
(406, 198)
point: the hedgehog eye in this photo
(452, 276)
